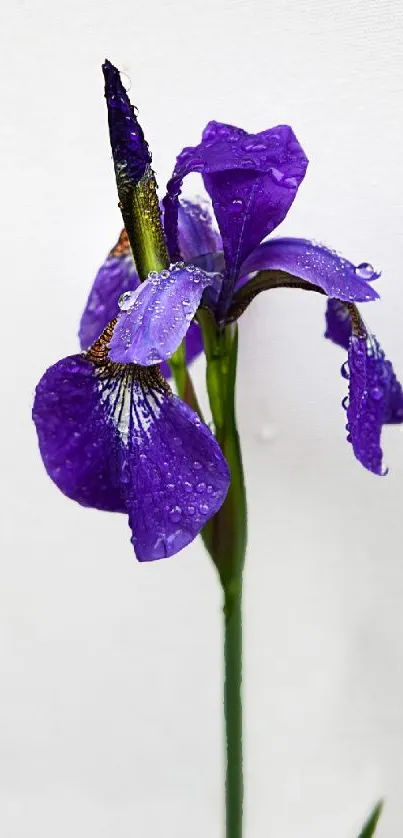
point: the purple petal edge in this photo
(315, 263)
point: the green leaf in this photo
(369, 827)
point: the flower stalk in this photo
(225, 538)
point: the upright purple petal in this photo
(117, 275)
(130, 151)
(252, 180)
(115, 438)
(197, 234)
(375, 399)
(155, 318)
(315, 263)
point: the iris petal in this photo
(114, 437)
(314, 263)
(338, 323)
(115, 276)
(158, 315)
(197, 234)
(375, 395)
(252, 180)
(79, 447)
(375, 398)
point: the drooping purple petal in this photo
(115, 438)
(79, 448)
(155, 318)
(116, 275)
(252, 180)
(179, 479)
(130, 151)
(315, 263)
(375, 399)
(338, 323)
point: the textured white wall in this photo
(110, 671)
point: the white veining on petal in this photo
(132, 406)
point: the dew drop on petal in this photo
(290, 182)
(125, 472)
(126, 300)
(175, 514)
(277, 175)
(365, 271)
(238, 204)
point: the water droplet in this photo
(201, 487)
(165, 274)
(277, 175)
(254, 145)
(365, 271)
(127, 300)
(238, 204)
(187, 486)
(197, 465)
(125, 472)
(376, 393)
(290, 182)
(191, 510)
(175, 514)
(204, 507)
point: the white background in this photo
(110, 703)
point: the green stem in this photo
(225, 538)
(183, 380)
(233, 713)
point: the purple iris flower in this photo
(252, 180)
(111, 433)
